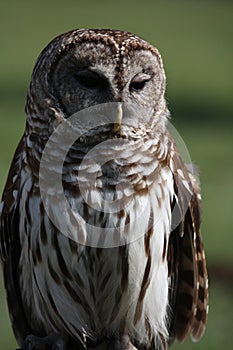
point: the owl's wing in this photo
(186, 259)
(10, 247)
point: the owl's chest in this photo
(138, 215)
(117, 202)
(112, 184)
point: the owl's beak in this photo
(118, 118)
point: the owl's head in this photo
(84, 68)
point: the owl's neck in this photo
(117, 165)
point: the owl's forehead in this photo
(108, 54)
(108, 37)
(112, 45)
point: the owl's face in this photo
(84, 68)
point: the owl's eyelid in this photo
(141, 77)
(90, 79)
(139, 81)
(88, 72)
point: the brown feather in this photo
(186, 261)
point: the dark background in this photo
(195, 39)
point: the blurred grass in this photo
(195, 40)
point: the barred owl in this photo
(147, 286)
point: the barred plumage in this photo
(144, 281)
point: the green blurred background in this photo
(195, 39)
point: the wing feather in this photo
(186, 259)
(10, 247)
